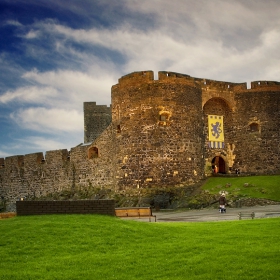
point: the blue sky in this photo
(55, 55)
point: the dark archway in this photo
(220, 164)
(92, 152)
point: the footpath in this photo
(207, 215)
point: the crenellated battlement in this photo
(136, 77)
(28, 160)
(96, 108)
(219, 85)
(176, 78)
(17, 160)
(165, 75)
(204, 84)
(57, 156)
(264, 85)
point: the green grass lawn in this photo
(267, 187)
(102, 247)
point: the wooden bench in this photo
(135, 212)
(246, 215)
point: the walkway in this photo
(207, 215)
(214, 215)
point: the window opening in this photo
(254, 127)
(93, 152)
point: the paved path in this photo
(214, 215)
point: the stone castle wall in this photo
(258, 150)
(157, 137)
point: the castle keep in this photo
(156, 134)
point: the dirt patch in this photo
(7, 215)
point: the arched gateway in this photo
(219, 165)
(218, 116)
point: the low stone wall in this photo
(250, 202)
(102, 206)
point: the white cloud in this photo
(70, 81)
(42, 144)
(271, 40)
(34, 144)
(13, 22)
(74, 86)
(52, 121)
(222, 14)
(155, 50)
(32, 34)
(32, 94)
(199, 39)
(4, 153)
(63, 89)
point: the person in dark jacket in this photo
(222, 202)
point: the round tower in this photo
(159, 130)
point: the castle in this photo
(157, 133)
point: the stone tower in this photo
(96, 120)
(159, 125)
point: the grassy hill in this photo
(102, 247)
(249, 189)
(267, 187)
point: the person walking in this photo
(216, 169)
(222, 202)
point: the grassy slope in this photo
(101, 247)
(258, 186)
